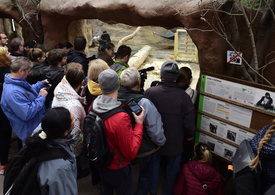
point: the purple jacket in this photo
(177, 114)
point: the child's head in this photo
(185, 77)
(202, 153)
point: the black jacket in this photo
(78, 57)
(54, 74)
(177, 114)
(36, 73)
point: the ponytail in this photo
(202, 153)
(254, 163)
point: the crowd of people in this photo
(46, 97)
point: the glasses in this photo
(4, 38)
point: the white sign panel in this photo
(224, 130)
(218, 147)
(227, 111)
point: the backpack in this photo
(21, 175)
(246, 180)
(96, 144)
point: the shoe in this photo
(3, 169)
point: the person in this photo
(27, 46)
(56, 176)
(65, 95)
(184, 80)
(106, 53)
(37, 56)
(123, 56)
(262, 144)
(54, 73)
(77, 54)
(197, 170)
(17, 48)
(119, 133)
(93, 90)
(67, 45)
(153, 133)
(5, 130)
(178, 117)
(3, 40)
(23, 103)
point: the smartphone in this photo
(47, 86)
(134, 106)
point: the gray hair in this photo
(20, 62)
(16, 43)
(129, 77)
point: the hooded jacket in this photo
(22, 104)
(267, 157)
(92, 90)
(188, 180)
(177, 114)
(54, 74)
(153, 133)
(119, 66)
(58, 176)
(78, 57)
(65, 96)
(119, 132)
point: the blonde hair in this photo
(254, 163)
(202, 153)
(96, 67)
(4, 60)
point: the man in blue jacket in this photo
(23, 103)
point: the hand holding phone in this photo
(47, 86)
(134, 106)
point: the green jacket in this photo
(119, 66)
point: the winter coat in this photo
(193, 94)
(153, 133)
(267, 157)
(54, 74)
(22, 104)
(119, 132)
(78, 57)
(58, 176)
(65, 96)
(102, 55)
(35, 73)
(177, 114)
(119, 66)
(92, 90)
(188, 180)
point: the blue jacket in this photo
(22, 105)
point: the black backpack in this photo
(246, 180)
(95, 138)
(21, 175)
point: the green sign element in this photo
(203, 78)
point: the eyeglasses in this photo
(4, 38)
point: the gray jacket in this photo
(58, 176)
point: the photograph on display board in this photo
(266, 102)
(213, 128)
(228, 154)
(211, 146)
(231, 135)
